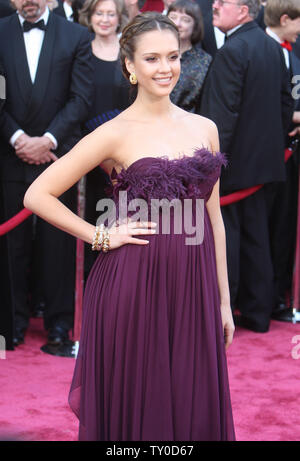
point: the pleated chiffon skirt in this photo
(152, 362)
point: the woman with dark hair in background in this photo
(105, 19)
(195, 62)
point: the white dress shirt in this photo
(285, 51)
(231, 31)
(219, 36)
(33, 44)
(68, 11)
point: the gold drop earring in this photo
(133, 79)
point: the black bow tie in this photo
(27, 26)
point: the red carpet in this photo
(264, 374)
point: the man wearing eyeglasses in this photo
(213, 37)
(247, 94)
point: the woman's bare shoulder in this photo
(110, 136)
(115, 129)
(204, 129)
(111, 129)
(107, 138)
(199, 120)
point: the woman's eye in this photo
(150, 59)
(174, 57)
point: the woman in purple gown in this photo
(156, 317)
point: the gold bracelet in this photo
(106, 242)
(101, 239)
(95, 242)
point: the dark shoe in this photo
(57, 335)
(284, 315)
(244, 322)
(280, 306)
(66, 349)
(19, 336)
(39, 310)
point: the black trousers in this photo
(53, 268)
(283, 229)
(250, 268)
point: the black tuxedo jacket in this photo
(6, 9)
(247, 94)
(209, 42)
(57, 102)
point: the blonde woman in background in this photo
(105, 20)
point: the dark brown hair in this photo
(140, 24)
(192, 9)
(275, 9)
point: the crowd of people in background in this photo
(64, 79)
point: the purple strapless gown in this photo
(151, 363)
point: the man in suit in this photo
(49, 83)
(283, 25)
(6, 315)
(214, 37)
(247, 94)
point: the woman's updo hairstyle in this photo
(140, 24)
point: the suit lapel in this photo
(44, 68)
(20, 60)
(244, 28)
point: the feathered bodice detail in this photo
(160, 177)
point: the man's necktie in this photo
(287, 45)
(27, 26)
